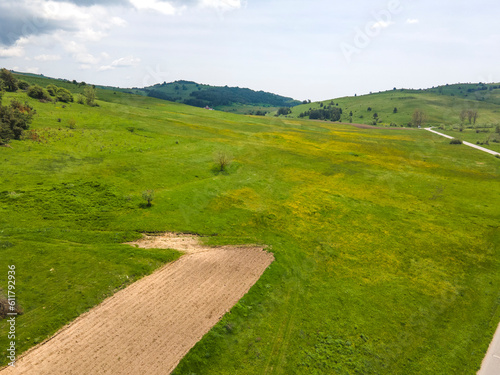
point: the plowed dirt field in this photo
(148, 327)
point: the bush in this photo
(148, 196)
(455, 141)
(37, 92)
(222, 161)
(80, 99)
(14, 119)
(23, 85)
(90, 94)
(5, 307)
(64, 95)
(52, 90)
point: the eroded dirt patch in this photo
(148, 327)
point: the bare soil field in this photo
(148, 327)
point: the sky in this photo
(314, 49)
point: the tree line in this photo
(325, 113)
(16, 117)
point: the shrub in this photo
(222, 161)
(90, 94)
(455, 141)
(148, 196)
(64, 95)
(51, 89)
(14, 119)
(80, 99)
(5, 307)
(37, 92)
(23, 85)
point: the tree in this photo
(418, 118)
(462, 116)
(475, 115)
(9, 80)
(469, 116)
(90, 94)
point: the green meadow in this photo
(386, 240)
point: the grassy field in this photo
(386, 241)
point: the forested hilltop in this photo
(229, 99)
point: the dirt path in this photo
(148, 327)
(466, 143)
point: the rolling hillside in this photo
(442, 105)
(386, 242)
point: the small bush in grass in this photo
(6, 308)
(455, 141)
(222, 161)
(148, 196)
(80, 99)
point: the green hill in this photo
(442, 105)
(387, 242)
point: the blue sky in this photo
(312, 49)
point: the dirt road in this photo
(148, 327)
(466, 143)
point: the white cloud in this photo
(33, 70)
(159, 6)
(381, 25)
(14, 51)
(123, 62)
(117, 21)
(221, 4)
(90, 35)
(80, 53)
(412, 21)
(47, 57)
(85, 58)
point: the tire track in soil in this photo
(148, 327)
